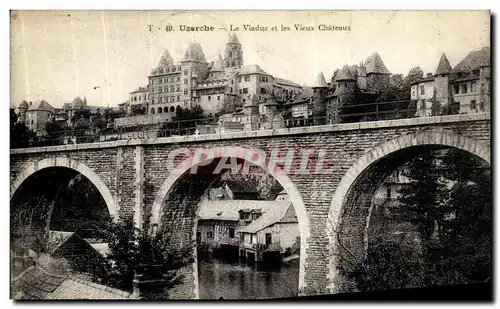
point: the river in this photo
(237, 280)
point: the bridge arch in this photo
(387, 155)
(239, 153)
(81, 168)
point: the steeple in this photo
(444, 66)
(233, 54)
(320, 81)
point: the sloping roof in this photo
(102, 248)
(290, 216)
(444, 66)
(194, 52)
(217, 66)
(474, 60)
(271, 215)
(57, 239)
(242, 186)
(233, 39)
(299, 98)
(41, 105)
(228, 210)
(166, 59)
(344, 74)
(320, 81)
(37, 283)
(251, 69)
(374, 64)
(286, 82)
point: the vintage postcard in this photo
(249, 154)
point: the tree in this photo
(19, 133)
(184, 121)
(136, 253)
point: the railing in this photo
(344, 114)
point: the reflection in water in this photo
(238, 280)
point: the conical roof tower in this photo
(444, 66)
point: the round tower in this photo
(319, 88)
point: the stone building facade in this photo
(463, 89)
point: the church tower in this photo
(233, 54)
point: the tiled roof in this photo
(320, 81)
(194, 52)
(41, 105)
(444, 66)
(474, 60)
(242, 186)
(299, 98)
(37, 283)
(273, 214)
(374, 64)
(166, 59)
(285, 82)
(344, 74)
(228, 210)
(251, 69)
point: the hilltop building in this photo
(223, 85)
(461, 90)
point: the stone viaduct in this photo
(333, 207)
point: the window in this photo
(247, 78)
(230, 54)
(422, 89)
(152, 111)
(233, 63)
(178, 98)
(232, 82)
(209, 98)
(178, 79)
(269, 238)
(230, 89)
(240, 91)
(160, 110)
(464, 88)
(153, 101)
(245, 90)
(173, 69)
(482, 88)
(172, 109)
(422, 104)
(185, 72)
(231, 232)
(473, 87)
(240, 79)
(481, 106)
(473, 104)
(218, 98)
(210, 235)
(185, 91)
(388, 192)
(185, 81)
(456, 89)
(264, 79)
(262, 90)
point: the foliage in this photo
(19, 133)
(449, 200)
(136, 253)
(184, 121)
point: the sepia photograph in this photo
(250, 155)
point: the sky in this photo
(104, 55)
